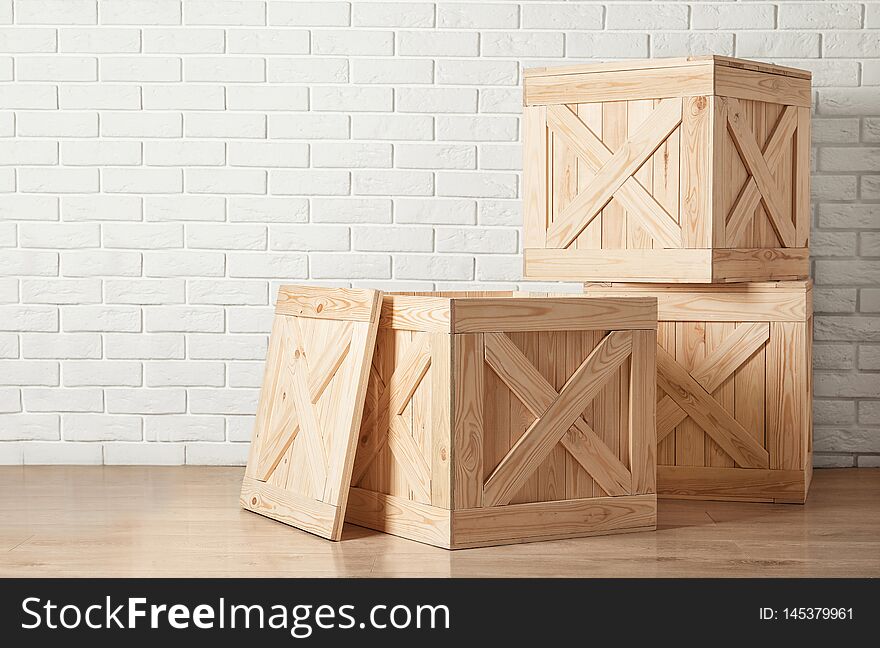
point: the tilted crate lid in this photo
(314, 386)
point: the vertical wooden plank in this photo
(623, 376)
(749, 395)
(397, 481)
(642, 408)
(716, 333)
(551, 472)
(614, 135)
(369, 426)
(591, 115)
(606, 412)
(441, 419)
(735, 176)
(271, 376)
(787, 379)
(496, 415)
(637, 112)
(696, 176)
(764, 118)
(666, 341)
(534, 177)
(666, 173)
(563, 187)
(468, 421)
(720, 201)
(802, 178)
(690, 348)
(589, 340)
(578, 482)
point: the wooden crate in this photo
(494, 419)
(734, 373)
(669, 170)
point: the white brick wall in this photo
(165, 164)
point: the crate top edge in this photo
(791, 286)
(709, 60)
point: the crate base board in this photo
(733, 484)
(287, 507)
(397, 516)
(724, 265)
(499, 525)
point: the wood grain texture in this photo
(564, 518)
(760, 264)
(549, 429)
(620, 85)
(641, 205)
(467, 420)
(552, 313)
(304, 513)
(311, 406)
(90, 522)
(641, 402)
(416, 313)
(534, 175)
(802, 178)
(400, 517)
(696, 171)
(441, 420)
(353, 304)
(630, 154)
(731, 484)
(709, 415)
(788, 400)
(706, 60)
(758, 86)
(786, 301)
(663, 265)
(537, 394)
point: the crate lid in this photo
(690, 61)
(309, 414)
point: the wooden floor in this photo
(153, 521)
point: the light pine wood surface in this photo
(185, 521)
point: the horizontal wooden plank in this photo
(356, 304)
(662, 265)
(540, 520)
(415, 313)
(398, 516)
(761, 264)
(623, 85)
(734, 303)
(651, 64)
(285, 506)
(552, 314)
(760, 86)
(731, 483)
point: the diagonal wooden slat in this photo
(733, 438)
(392, 401)
(408, 456)
(747, 201)
(757, 167)
(538, 440)
(326, 365)
(743, 210)
(313, 438)
(632, 195)
(715, 368)
(626, 161)
(529, 386)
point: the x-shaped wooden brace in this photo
(305, 384)
(631, 194)
(689, 393)
(616, 170)
(558, 416)
(761, 185)
(396, 392)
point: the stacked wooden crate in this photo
(689, 180)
